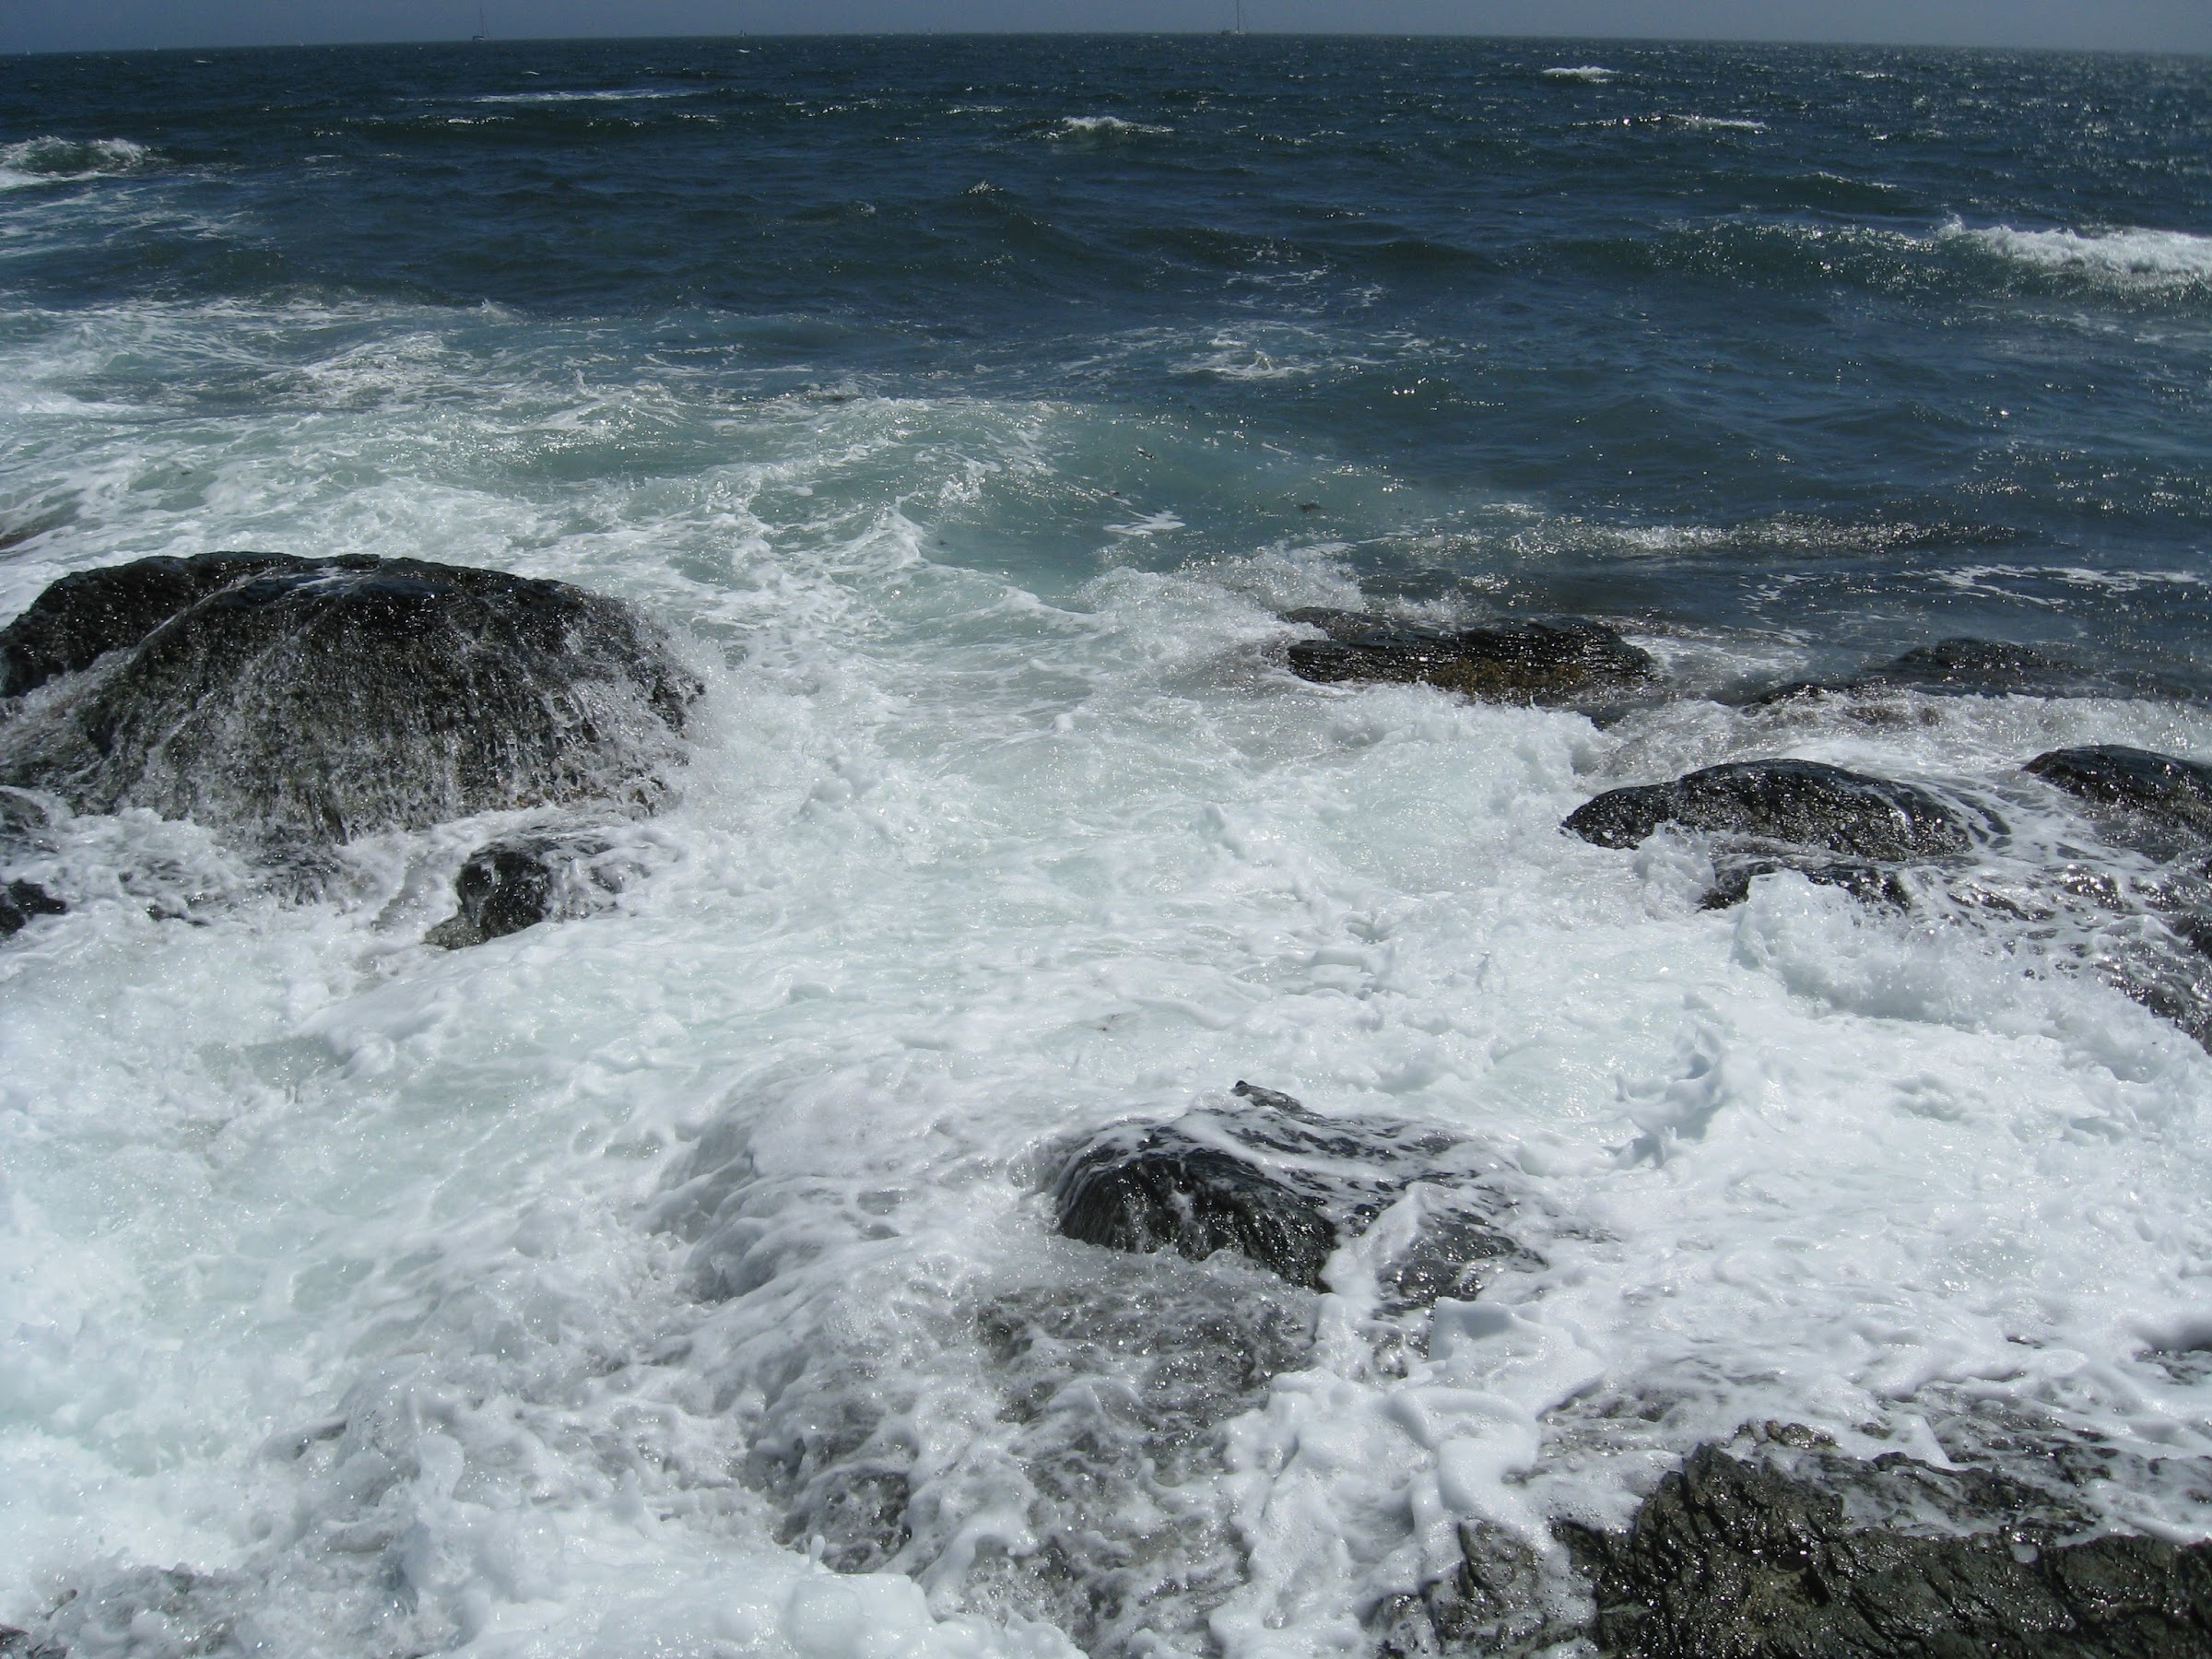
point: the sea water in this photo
(683, 1279)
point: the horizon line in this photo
(1132, 34)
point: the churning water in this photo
(683, 1279)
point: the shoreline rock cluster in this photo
(301, 704)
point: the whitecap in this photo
(1104, 127)
(2145, 257)
(61, 161)
(1596, 74)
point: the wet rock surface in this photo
(521, 881)
(1285, 1186)
(1811, 1554)
(1508, 662)
(314, 701)
(1958, 666)
(2164, 788)
(86, 615)
(1799, 803)
(22, 903)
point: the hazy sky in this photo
(2126, 25)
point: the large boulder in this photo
(314, 701)
(1285, 1186)
(1805, 1556)
(1511, 662)
(2170, 791)
(1800, 804)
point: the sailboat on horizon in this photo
(482, 34)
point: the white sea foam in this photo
(1594, 73)
(605, 95)
(555, 1296)
(2157, 259)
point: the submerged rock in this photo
(517, 883)
(314, 701)
(1496, 1603)
(1823, 1555)
(21, 901)
(1958, 666)
(1793, 803)
(1284, 1186)
(1512, 662)
(2162, 787)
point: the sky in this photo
(2111, 25)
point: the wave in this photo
(1594, 73)
(61, 161)
(2151, 258)
(622, 95)
(1106, 127)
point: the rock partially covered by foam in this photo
(1781, 1557)
(1284, 1186)
(1792, 802)
(516, 883)
(1512, 662)
(314, 701)
(2159, 786)
(22, 903)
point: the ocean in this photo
(684, 1280)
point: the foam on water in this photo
(2164, 259)
(683, 1277)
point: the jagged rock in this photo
(2171, 791)
(1493, 1604)
(1281, 1185)
(20, 901)
(80, 619)
(314, 701)
(22, 1644)
(1512, 662)
(1793, 803)
(1817, 1555)
(517, 883)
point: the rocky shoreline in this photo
(300, 704)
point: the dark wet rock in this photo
(1955, 666)
(22, 1644)
(1496, 1603)
(1792, 802)
(1868, 883)
(314, 701)
(80, 619)
(2171, 791)
(1511, 662)
(1809, 1554)
(22, 902)
(519, 882)
(1284, 1186)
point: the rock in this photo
(314, 701)
(1284, 1186)
(517, 883)
(1793, 803)
(1869, 883)
(1803, 1555)
(2170, 791)
(1494, 1604)
(22, 900)
(83, 617)
(1512, 662)
(1956, 667)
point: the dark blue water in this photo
(1840, 345)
